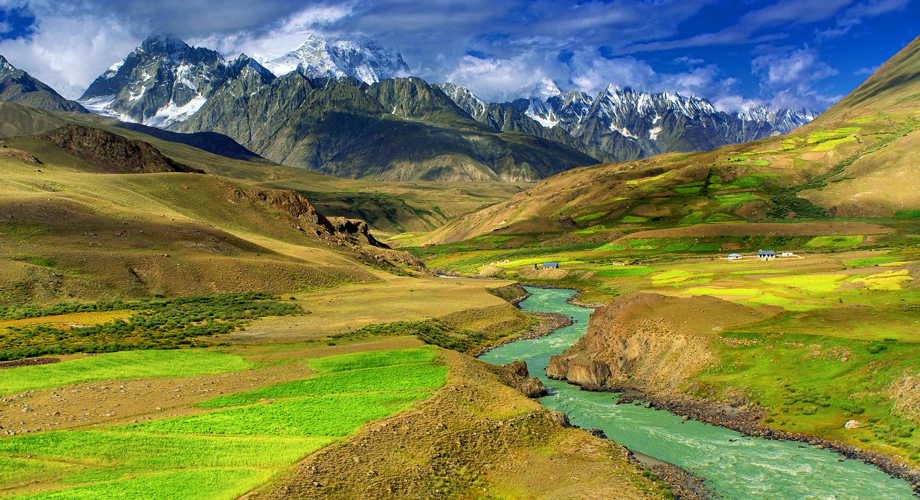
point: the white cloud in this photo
(784, 68)
(788, 76)
(498, 80)
(281, 38)
(69, 51)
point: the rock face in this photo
(647, 341)
(516, 375)
(20, 87)
(357, 228)
(112, 153)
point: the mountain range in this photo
(19, 87)
(347, 108)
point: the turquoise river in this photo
(735, 467)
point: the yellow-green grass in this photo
(815, 383)
(223, 453)
(564, 261)
(389, 379)
(724, 292)
(830, 134)
(677, 276)
(835, 241)
(204, 484)
(307, 416)
(829, 145)
(374, 359)
(889, 280)
(108, 448)
(121, 365)
(813, 283)
(623, 270)
(590, 217)
(871, 261)
(630, 219)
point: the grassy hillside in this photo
(390, 208)
(858, 159)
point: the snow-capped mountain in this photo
(320, 57)
(782, 119)
(164, 81)
(476, 107)
(626, 124)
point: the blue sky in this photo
(793, 53)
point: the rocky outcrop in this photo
(349, 233)
(19, 154)
(516, 375)
(647, 341)
(112, 153)
(357, 228)
(513, 293)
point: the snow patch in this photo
(134, 97)
(623, 131)
(101, 106)
(545, 122)
(172, 113)
(653, 133)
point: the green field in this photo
(120, 366)
(224, 452)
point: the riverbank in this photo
(550, 322)
(746, 420)
(683, 483)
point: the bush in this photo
(876, 347)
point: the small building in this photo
(787, 254)
(766, 254)
(550, 265)
(733, 256)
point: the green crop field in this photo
(298, 417)
(120, 365)
(835, 241)
(224, 452)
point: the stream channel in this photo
(734, 466)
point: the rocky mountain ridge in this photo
(19, 87)
(394, 130)
(168, 84)
(620, 124)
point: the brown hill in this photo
(112, 153)
(647, 340)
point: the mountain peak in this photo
(328, 57)
(167, 42)
(5, 67)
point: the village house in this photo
(734, 256)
